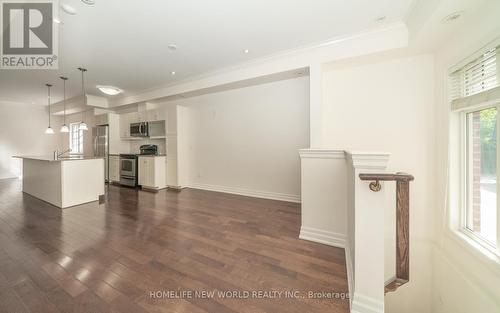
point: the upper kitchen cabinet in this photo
(124, 126)
(134, 117)
(156, 115)
(141, 116)
(101, 119)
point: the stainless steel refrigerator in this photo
(100, 136)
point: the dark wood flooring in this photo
(151, 252)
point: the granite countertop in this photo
(50, 158)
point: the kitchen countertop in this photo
(151, 155)
(48, 158)
(140, 155)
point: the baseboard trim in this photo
(323, 236)
(247, 192)
(363, 304)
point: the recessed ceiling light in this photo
(172, 73)
(172, 47)
(109, 90)
(452, 17)
(246, 51)
(56, 20)
(380, 19)
(89, 2)
(68, 9)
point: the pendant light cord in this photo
(83, 70)
(64, 97)
(48, 99)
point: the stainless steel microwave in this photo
(139, 129)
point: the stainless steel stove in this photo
(128, 170)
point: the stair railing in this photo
(402, 222)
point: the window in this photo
(481, 174)
(475, 97)
(75, 138)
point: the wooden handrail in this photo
(402, 222)
(387, 177)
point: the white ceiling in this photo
(125, 42)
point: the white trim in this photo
(487, 257)
(461, 230)
(323, 237)
(369, 160)
(363, 304)
(483, 99)
(321, 154)
(247, 192)
(350, 271)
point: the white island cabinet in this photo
(64, 182)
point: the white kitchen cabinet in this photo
(156, 115)
(101, 119)
(133, 117)
(124, 126)
(152, 115)
(152, 172)
(114, 168)
(141, 116)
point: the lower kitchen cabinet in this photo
(114, 168)
(152, 172)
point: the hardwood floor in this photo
(145, 252)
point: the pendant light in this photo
(64, 128)
(83, 125)
(49, 129)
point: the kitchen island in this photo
(63, 182)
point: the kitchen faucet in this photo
(57, 155)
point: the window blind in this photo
(477, 82)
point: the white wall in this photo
(22, 132)
(464, 279)
(388, 105)
(247, 140)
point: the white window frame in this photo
(457, 192)
(80, 135)
(464, 181)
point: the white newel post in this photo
(366, 234)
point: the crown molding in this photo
(369, 160)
